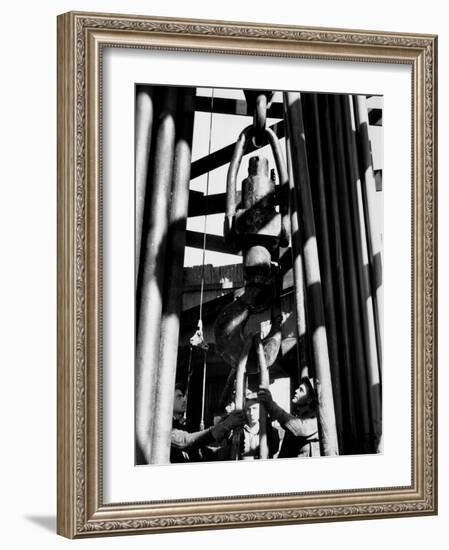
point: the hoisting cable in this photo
(197, 339)
(205, 203)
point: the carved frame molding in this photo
(81, 37)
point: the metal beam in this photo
(223, 156)
(228, 106)
(202, 205)
(213, 242)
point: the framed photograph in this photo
(246, 274)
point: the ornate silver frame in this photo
(81, 37)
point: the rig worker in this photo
(184, 443)
(301, 428)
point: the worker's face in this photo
(252, 413)
(301, 395)
(179, 405)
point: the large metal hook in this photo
(231, 182)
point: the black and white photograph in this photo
(224, 237)
(258, 274)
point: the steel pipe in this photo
(314, 148)
(339, 276)
(352, 282)
(265, 383)
(143, 130)
(298, 270)
(240, 394)
(373, 231)
(163, 411)
(361, 256)
(149, 318)
(323, 381)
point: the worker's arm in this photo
(185, 440)
(299, 427)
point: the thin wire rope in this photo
(205, 202)
(203, 393)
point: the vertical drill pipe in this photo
(361, 255)
(203, 388)
(163, 412)
(312, 131)
(240, 394)
(335, 232)
(144, 127)
(225, 394)
(352, 283)
(149, 322)
(298, 271)
(369, 200)
(264, 382)
(323, 381)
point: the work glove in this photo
(233, 420)
(273, 409)
(266, 398)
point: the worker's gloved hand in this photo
(273, 409)
(233, 420)
(265, 397)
